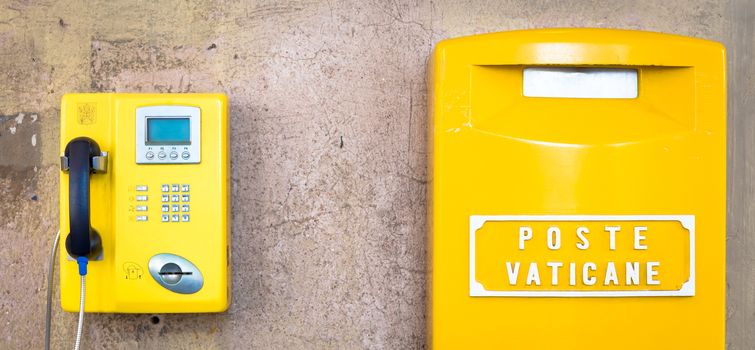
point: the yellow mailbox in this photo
(577, 181)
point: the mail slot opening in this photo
(578, 82)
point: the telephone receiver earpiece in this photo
(82, 157)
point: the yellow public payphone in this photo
(577, 181)
(144, 202)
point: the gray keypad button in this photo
(174, 208)
(166, 198)
(185, 218)
(184, 188)
(141, 218)
(184, 198)
(141, 208)
(175, 198)
(174, 187)
(141, 188)
(165, 218)
(185, 208)
(174, 218)
(165, 188)
(141, 198)
(165, 208)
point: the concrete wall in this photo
(328, 164)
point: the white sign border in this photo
(476, 289)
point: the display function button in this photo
(174, 198)
(185, 208)
(185, 218)
(161, 155)
(141, 198)
(184, 198)
(166, 198)
(165, 208)
(174, 218)
(141, 218)
(165, 188)
(150, 155)
(185, 155)
(174, 208)
(165, 218)
(141, 188)
(174, 187)
(141, 208)
(184, 188)
(174, 155)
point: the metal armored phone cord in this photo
(80, 327)
(82, 261)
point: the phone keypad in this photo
(174, 206)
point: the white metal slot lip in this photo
(580, 82)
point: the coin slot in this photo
(175, 273)
(171, 273)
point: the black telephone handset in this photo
(82, 158)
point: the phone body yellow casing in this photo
(120, 282)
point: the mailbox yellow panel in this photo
(577, 191)
(129, 208)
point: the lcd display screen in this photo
(168, 130)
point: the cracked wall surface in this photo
(328, 110)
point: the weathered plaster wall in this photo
(328, 164)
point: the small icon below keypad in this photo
(174, 218)
(165, 188)
(141, 218)
(185, 208)
(174, 188)
(166, 198)
(165, 208)
(165, 218)
(141, 188)
(184, 198)
(185, 218)
(141, 198)
(174, 198)
(184, 188)
(141, 208)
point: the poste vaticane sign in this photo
(582, 255)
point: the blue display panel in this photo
(168, 131)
